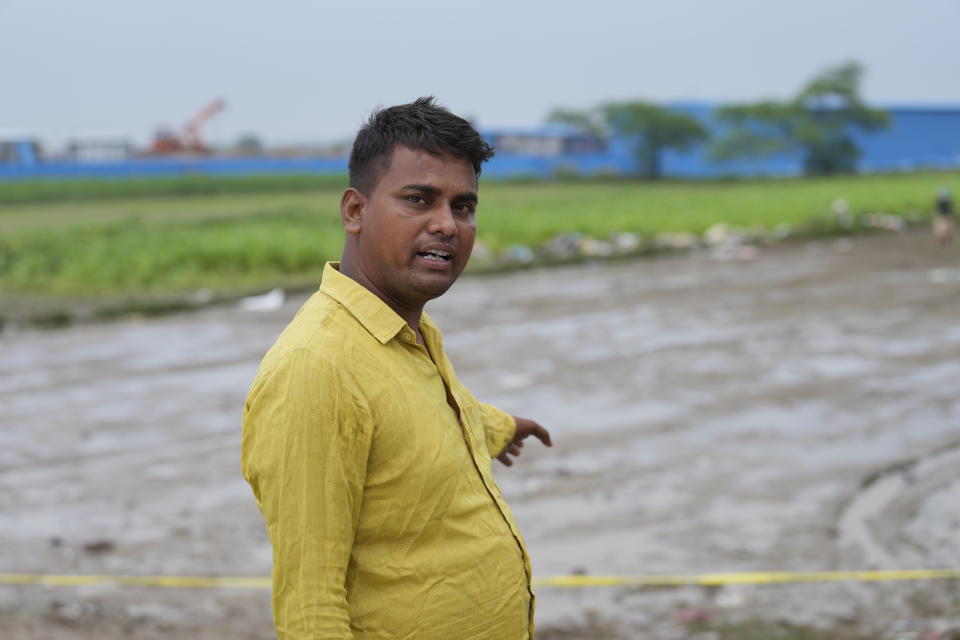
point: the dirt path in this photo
(800, 411)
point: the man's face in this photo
(418, 226)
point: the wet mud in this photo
(799, 411)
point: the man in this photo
(943, 219)
(369, 460)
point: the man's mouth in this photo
(435, 255)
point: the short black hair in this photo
(421, 125)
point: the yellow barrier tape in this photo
(749, 577)
(574, 581)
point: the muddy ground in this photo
(797, 411)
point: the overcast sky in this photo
(300, 70)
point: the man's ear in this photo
(352, 204)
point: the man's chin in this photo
(434, 285)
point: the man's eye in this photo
(465, 207)
(416, 199)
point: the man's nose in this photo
(443, 221)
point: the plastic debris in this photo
(625, 242)
(594, 248)
(269, 301)
(716, 234)
(519, 253)
(886, 221)
(563, 246)
(841, 212)
(670, 240)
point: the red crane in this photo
(188, 140)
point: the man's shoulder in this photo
(320, 331)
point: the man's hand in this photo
(525, 427)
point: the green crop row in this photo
(26, 191)
(241, 242)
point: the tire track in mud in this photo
(874, 522)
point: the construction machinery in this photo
(188, 139)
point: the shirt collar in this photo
(373, 313)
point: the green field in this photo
(145, 242)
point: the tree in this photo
(588, 121)
(651, 128)
(818, 122)
(249, 143)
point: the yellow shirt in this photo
(380, 504)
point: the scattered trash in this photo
(716, 234)
(841, 212)
(563, 246)
(625, 242)
(519, 254)
(734, 249)
(269, 301)
(670, 240)
(594, 248)
(886, 221)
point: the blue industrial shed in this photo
(918, 138)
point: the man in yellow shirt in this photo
(370, 461)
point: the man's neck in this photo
(410, 315)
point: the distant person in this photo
(943, 218)
(370, 461)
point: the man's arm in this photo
(505, 433)
(306, 437)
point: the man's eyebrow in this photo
(425, 188)
(466, 196)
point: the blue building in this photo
(18, 149)
(918, 138)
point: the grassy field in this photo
(156, 240)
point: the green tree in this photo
(588, 121)
(817, 122)
(650, 127)
(249, 143)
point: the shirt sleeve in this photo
(306, 438)
(499, 428)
